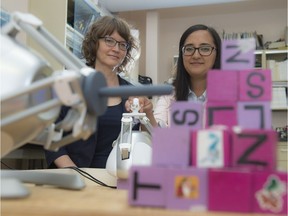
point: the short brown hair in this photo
(103, 26)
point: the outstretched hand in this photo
(146, 105)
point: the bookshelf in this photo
(276, 61)
(282, 151)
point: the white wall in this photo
(16, 5)
(268, 18)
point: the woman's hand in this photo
(145, 104)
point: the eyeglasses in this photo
(111, 42)
(189, 50)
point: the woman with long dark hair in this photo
(199, 51)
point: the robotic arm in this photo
(131, 147)
(32, 93)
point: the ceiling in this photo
(134, 5)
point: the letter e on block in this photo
(238, 54)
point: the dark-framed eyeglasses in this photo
(189, 50)
(111, 42)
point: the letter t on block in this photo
(146, 186)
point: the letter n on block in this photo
(270, 192)
(211, 148)
(221, 113)
(222, 85)
(146, 186)
(187, 189)
(230, 190)
(254, 114)
(255, 149)
(187, 113)
(255, 85)
(171, 146)
(238, 54)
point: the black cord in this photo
(90, 177)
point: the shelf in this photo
(274, 51)
(80, 15)
(280, 83)
(280, 109)
(74, 40)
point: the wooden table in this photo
(93, 200)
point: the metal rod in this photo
(136, 91)
(53, 49)
(31, 111)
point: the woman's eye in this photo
(109, 40)
(205, 49)
(123, 45)
(189, 49)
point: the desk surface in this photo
(92, 200)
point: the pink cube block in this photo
(255, 85)
(254, 115)
(238, 54)
(222, 85)
(270, 192)
(187, 189)
(171, 146)
(147, 186)
(187, 113)
(211, 148)
(255, 149)
(230, 190)
(221, 113)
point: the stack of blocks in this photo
(221, 155)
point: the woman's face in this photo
(110, 54)
(198, 65)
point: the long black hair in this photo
(182, 79)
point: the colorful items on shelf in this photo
(220, 157)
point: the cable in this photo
(90, 177)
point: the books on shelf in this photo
(276, 45)
(279, 98)
(278, 69)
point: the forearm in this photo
(152, 119)
(64, 161)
